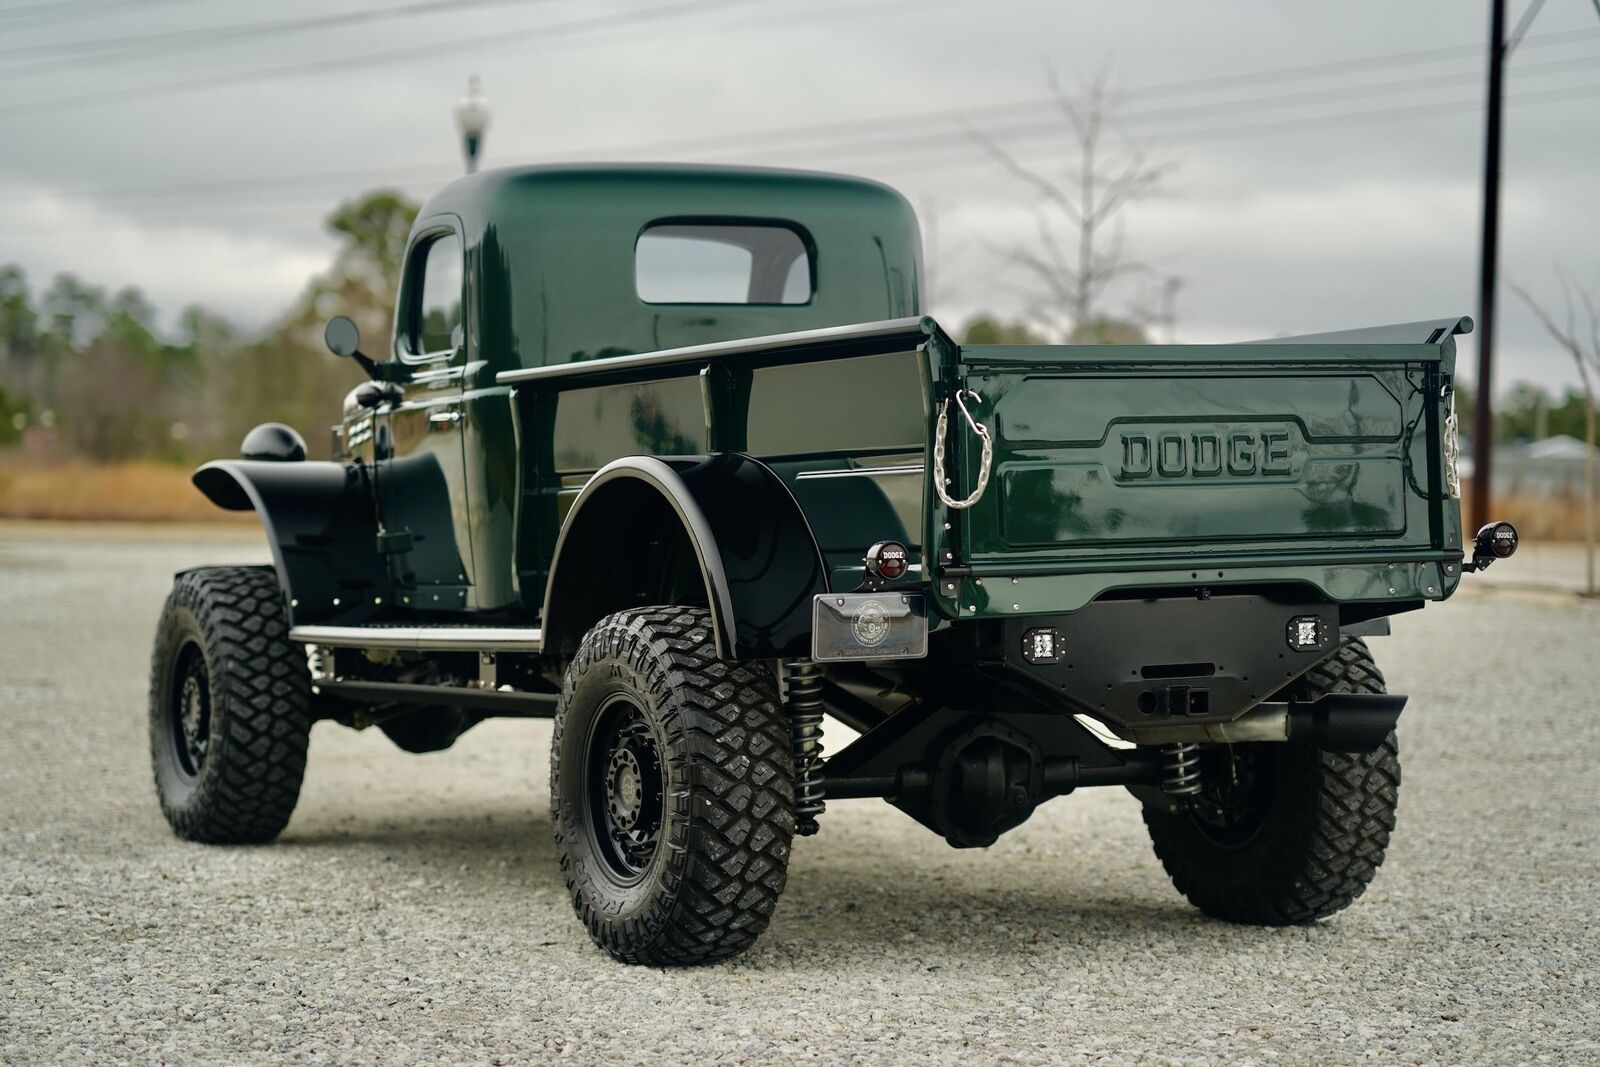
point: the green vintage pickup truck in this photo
(671, 455)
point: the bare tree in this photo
(1080, 249)
(1587, 357)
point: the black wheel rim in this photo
(190, 709)
(625, 789)
(1235, 795)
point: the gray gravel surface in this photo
(413, 911)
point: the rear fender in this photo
(322, 530)
(753, 553)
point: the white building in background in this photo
(1553, 467)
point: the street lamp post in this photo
(472, 119)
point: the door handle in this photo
(442, 419)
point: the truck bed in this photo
(1314, 462)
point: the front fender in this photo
(756, 556)
(322, 530)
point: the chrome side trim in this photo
(911, 330)
(441, 374)
(436, 638)
(862, 472)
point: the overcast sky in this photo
(1328, 156)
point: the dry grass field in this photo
(140, 491)
(1543, 518)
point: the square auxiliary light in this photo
(1042, 645)
(1308, 633)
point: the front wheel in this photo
(1285, 833)
(230, 707)
(671, 790)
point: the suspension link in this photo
(804, 683)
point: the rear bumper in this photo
(1142, 664)
(1022, 587)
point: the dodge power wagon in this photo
(670, 455)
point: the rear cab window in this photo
(723, 262)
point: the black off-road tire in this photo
(223, 644)
(1320, 827)
(704, 886)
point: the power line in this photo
(940, 139)
(330, 178)
(664, 11)
(40, 14)
(949, 124)
(1380, 116)
(967, 157)
(945, 116)
(430, 50)
(122, 47)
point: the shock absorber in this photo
(1180, 769)
(805, 742)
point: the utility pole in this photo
(1489, 256)
(1488, 265)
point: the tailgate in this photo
(1146, 465)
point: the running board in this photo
(423, 638)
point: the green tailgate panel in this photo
(1160, 460)
(1323, 457)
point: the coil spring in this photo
(1180, 765)
(805, 742)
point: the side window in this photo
(722, 263)
(436, 310)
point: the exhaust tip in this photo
(1346, 722)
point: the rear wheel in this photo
(1282, 833)
(230, 707)
(671, 790)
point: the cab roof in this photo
(550, 254)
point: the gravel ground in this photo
(413, 912)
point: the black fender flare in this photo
(756, 554)
(321, 527)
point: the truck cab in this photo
(549, 267)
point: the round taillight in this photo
(1500, 538)
(888, 560)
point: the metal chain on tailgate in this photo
(984, 462)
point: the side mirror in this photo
(344, 339)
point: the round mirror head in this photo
(341, 335)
